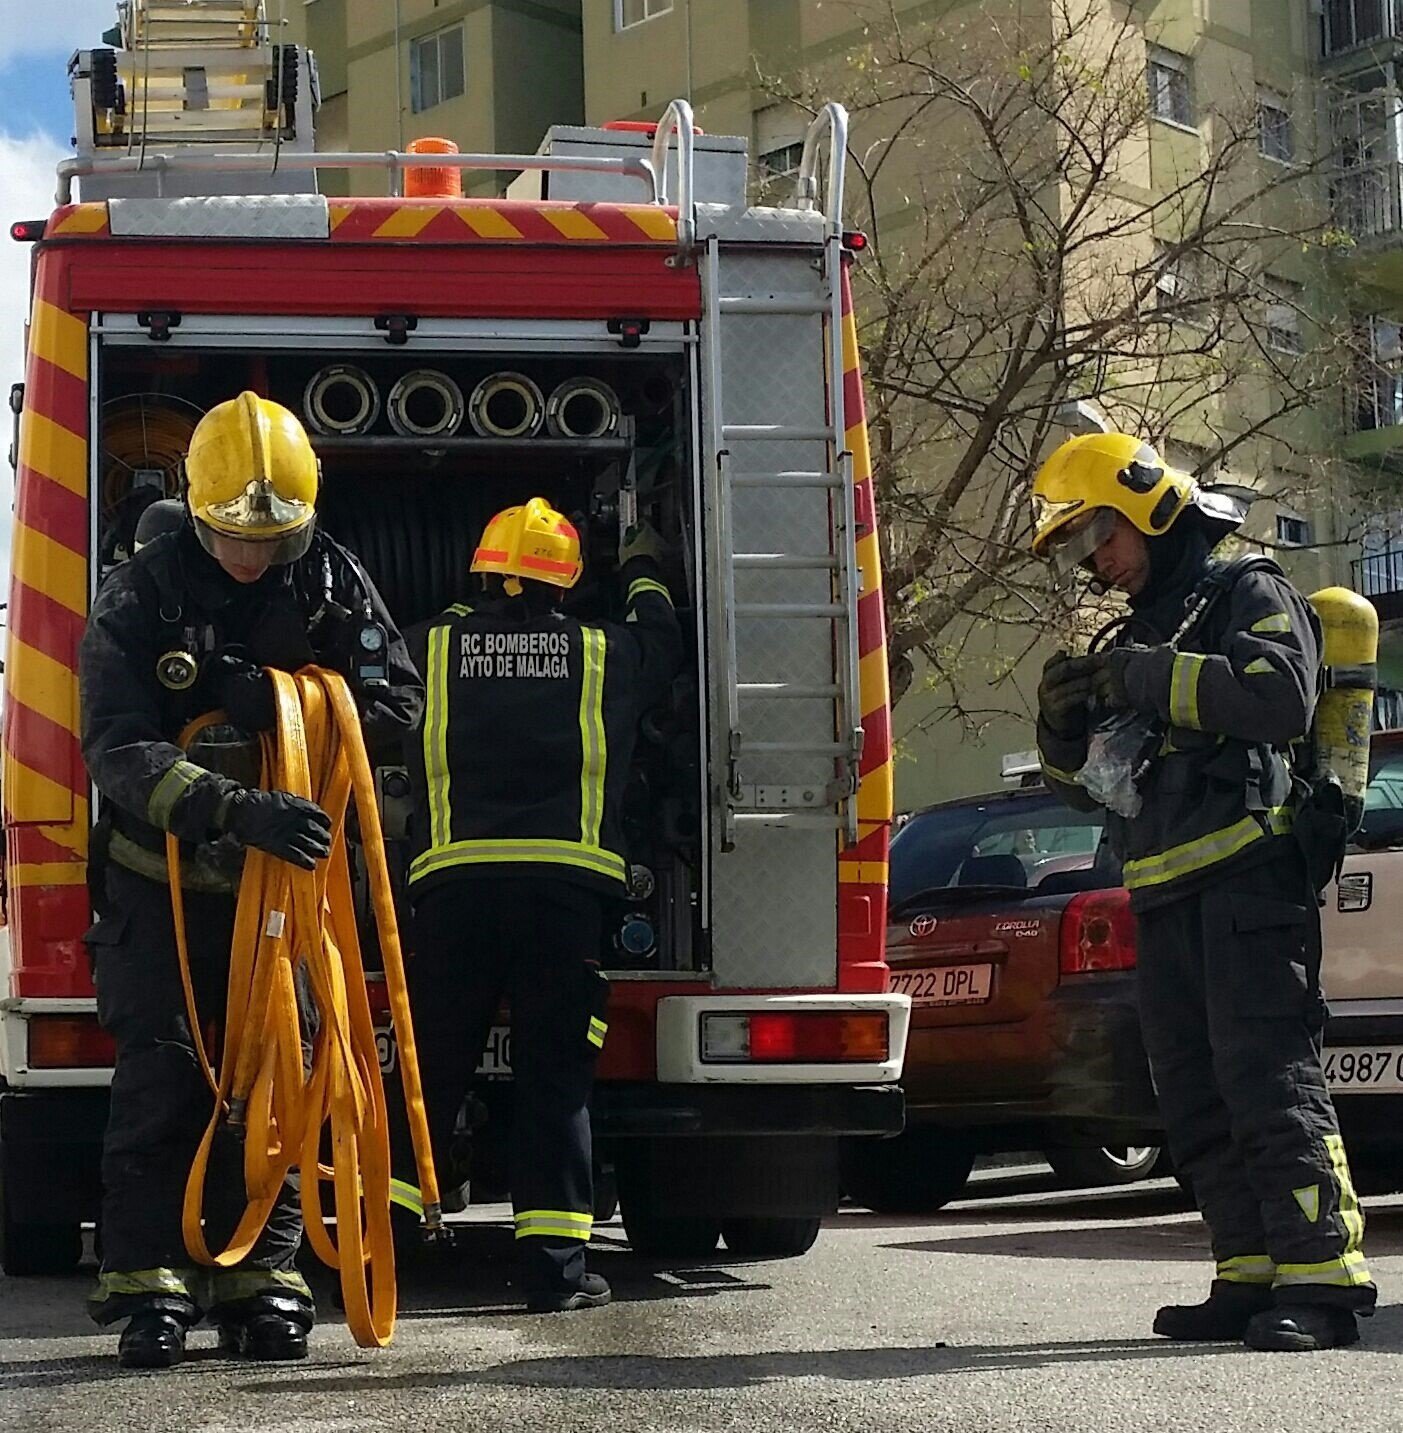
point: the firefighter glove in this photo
(245, 691)
(641, 540)
(279, 823)
(1065, 692)
(1108, 680)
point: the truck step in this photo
(793, 561)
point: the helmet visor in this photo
(248, 552)
(1074, 542)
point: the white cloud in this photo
(27, 184)
(27, 28)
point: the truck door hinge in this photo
(630, 331)
(396, 326)
(158, 323)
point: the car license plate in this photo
(945, 984)
(1364, 1069)
(496, 1059)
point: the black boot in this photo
(1223, 1315)
(1301, 1328)
(151, 1340)
(592, 1292)
(264, 1338)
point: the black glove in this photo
(1108, 680)
(245, 691)
(279, 823)
(1064, 693)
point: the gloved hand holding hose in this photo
(1064, 694)
(279, 823)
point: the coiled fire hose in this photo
(289, 918)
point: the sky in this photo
(36, 125)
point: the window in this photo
(635, 12)
(1178, 281)
(1283, 325)
(1019, 843)
(1379, 390)
(1293, 531)
(781, 163)
(1275, 137)
(779, 141)
(1171, 87)
(436, 69)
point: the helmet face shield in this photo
(258, 508)
(1070, 545)
(249, 552)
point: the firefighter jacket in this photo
(530, 722)
(173, 597)
(1224, 709)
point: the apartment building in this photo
(493, 74)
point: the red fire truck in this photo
(626, 335)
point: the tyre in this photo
(769, 1238)
(654, 1236)
(29, 1248)
(606, 1195)
(1109, 1165)
(918, 1172)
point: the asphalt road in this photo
(1021, 1309)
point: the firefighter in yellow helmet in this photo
(530, 722)
(187, 626)
(1183, 730)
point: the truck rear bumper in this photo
(622, 1111)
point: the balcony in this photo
(1349, 26)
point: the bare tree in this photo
(1030, 246)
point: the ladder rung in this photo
(791, 609)
(775, 433)
(793, 561)
(808, 748)
(793, 691)
(780, 304)
(788, 480)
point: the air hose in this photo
(289, 920)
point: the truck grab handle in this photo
(831, 120)
(677, 119)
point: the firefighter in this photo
(1226, 913)
(529, 727)
(184, 627)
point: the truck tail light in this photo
(68, 1042)
(1098, 933)
(795, 1037)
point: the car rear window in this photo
(1029, 843)
(1383, 803)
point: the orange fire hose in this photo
(288, 918)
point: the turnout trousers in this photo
(1232, 1015)
(160, 1105)
(536, 942)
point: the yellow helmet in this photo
(252, 478)
(532, 541)
(1105, 470)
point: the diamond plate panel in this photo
(780, 226)
(263, 216)
(774, 909)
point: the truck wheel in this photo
(653, 1236)
(1094, 1168)
(916, 1173)
(27, 1249)
(770, 1238)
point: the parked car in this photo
(1011, 933)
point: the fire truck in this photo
(620, 332)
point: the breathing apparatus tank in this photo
(1344, 713)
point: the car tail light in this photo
(798, 1037)
(67, 1042)
(1098, 933)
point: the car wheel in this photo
(683, 1236)
(1111, 1164)
(769, 1238)
(918, 1172)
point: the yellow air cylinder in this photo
(1344, 714)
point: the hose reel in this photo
(425, 403)
(506, 405)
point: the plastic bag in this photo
(1115, 761)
